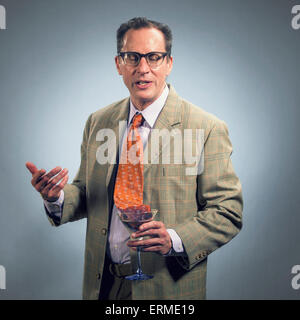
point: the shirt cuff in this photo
(177, 246)
(55, 207)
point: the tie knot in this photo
(137, 120)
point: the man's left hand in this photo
(159, 241)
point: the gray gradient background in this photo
(237, 59)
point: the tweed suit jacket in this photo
(204, 209)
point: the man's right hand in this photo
(50, 184)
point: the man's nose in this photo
(143, 66)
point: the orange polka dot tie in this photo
(130, 179)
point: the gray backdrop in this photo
(237, 59)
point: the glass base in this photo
(139, 276)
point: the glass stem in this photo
(139, 270)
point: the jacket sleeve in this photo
(220, 204)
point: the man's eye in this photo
(132, 57)
(154, 57)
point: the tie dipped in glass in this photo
(133, 217)
(128, 193)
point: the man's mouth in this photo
(143, 84)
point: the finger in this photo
(153, 249)
(53, 172)
(147, 242)
(37, 176)
(52, 190)
(45, 179)
(149, 232)
(163, 247)
(31, 167)
(54, 193)
(56, 190)
(51, 183)
(151, 225)
(157, 249)
(42, 182)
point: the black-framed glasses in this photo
(154, 59)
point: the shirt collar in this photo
(151, 113)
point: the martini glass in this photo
(132, 219)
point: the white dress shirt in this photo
(118, 234)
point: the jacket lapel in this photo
(118, 123)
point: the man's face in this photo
(143, 41)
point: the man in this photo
(198, 212)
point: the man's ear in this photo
(117, 62)
(170, 64)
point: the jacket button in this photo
(98, 276)
(203, 202)
(104, 231)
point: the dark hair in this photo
(142, 22)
